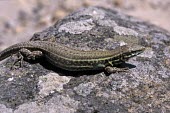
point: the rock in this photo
(145, 88)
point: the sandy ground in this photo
(20, 19)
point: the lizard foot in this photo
(110, 69)
(18, 60)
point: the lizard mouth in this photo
(133, 51)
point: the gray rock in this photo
(145, 88)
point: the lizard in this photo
(72, 59)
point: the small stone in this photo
(11, 79)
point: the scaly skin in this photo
(71, 59)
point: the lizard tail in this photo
(8, 52)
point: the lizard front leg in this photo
(110, 69)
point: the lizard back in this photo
(70, 59)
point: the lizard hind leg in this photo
(30, 55)
(27, 55)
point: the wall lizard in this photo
(72, 59)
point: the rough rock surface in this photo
(40, 87)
